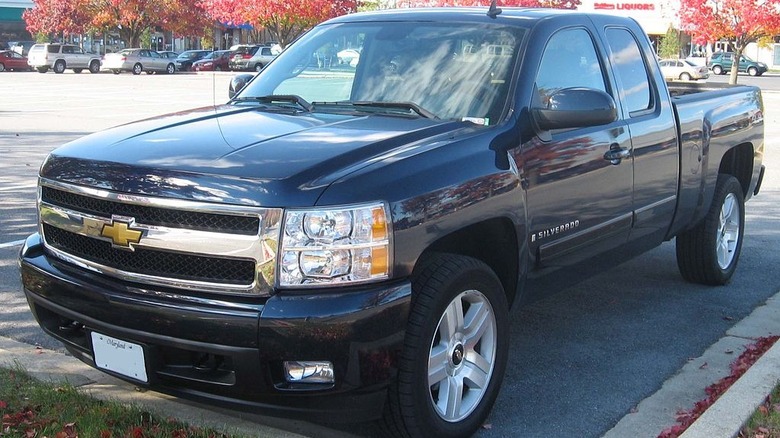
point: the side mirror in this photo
(576, 108)
(237, 83)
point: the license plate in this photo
(122, 357)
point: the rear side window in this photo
(630, 69)
(266, 51)
(54, 48)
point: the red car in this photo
(10, 60)
(215, 61)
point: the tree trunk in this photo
(738, 50)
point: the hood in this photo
(240, 155)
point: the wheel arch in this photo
(738, 162)
(493, 241)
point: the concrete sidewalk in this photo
(651, 416)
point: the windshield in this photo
(446, 70)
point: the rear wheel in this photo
(455, 350)
(59, 67)
(258, 67)
(137, 69)
(685, 77)
(718, 70)
(752, 71)
(2, 66)
(708, 253)
(94, 66)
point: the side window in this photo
(630, 68)
(569, 60)
(266, 51)
(67, 49)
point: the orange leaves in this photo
(740, 20)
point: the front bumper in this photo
(230, 352)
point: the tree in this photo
(740, 21)
(557, 4)
(284, 19)
(670, 44)
(64, 17)
(129, 17)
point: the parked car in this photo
(722, 62)
(138, 60)
(215, 61)
(254, 58)
(683, 69)
(185, 59)
(10, 60)
(168, 54)
(346, 56)
(59, 57)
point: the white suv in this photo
(58, 57)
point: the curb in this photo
(729, 413)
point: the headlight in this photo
(342, 245)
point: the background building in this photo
(12, 27)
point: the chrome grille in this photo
(184, 244)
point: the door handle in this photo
(616, 154)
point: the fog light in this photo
(296, 371)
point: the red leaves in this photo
(740, 20)
(3, 404)
(558, 4)
(745, 360)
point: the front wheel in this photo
(94, 66)
(455, 350)
(2, 66)
(752, 71)
(708, 253)
(685, 77)
(258, 67)
(137, 69)
(718, 70)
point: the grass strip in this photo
(31, 408)
(765, 422)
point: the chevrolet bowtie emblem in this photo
(121, 234)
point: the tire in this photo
(718, 70)
(94, 66)
(469, 358)
(170, 69)
(258, 67)
(685, 77)
(2, 66)
(116, 71)
(752, 71)
(42, 69)
(77, 70)
(138, 68)
(59, 67)
(708, 253)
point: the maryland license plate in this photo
(122, 357)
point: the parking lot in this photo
(580, 359)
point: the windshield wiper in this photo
(409, 106)
(278, 98)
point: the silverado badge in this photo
(121, 233)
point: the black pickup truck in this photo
(346, 240)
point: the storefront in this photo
(12, 27)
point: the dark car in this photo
(185, 59)
(215, 61)
(10, 60)
(722, 62)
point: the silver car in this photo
(137, 61)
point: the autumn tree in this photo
(284, 19)
(62, 17)
(557, 4)
(739, 21)
(670, 44)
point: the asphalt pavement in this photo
(594, 359)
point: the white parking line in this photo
(26, 186)
(11, 244)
